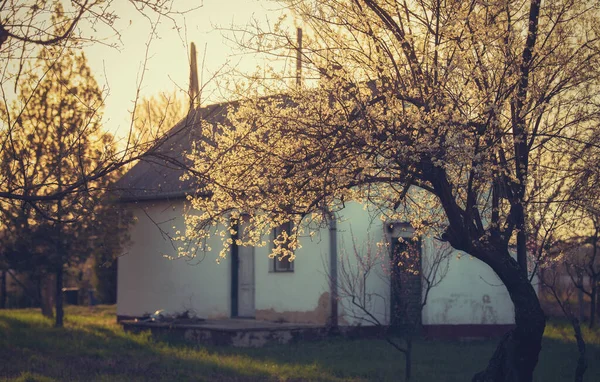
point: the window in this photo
(283, 265)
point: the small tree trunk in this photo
(597, 283)
(59, 297)
(3, 290)
(581, 361)
(593, 297)
(580, 303)
(46, 293)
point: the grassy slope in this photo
(93, 347)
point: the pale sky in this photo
(167, 67)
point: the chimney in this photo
(194, 89)
(299, 58)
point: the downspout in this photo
(333, 280)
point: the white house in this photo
(468, 301)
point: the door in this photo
(246, 282)
(405, 283)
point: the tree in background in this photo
(559, 232)
(564, 220)
(157, 114)
(421, 107)
(34, 187)
(585, 191)
(111, 235)
(26, 28)
(54, 141)
(562, 293)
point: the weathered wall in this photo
(147, 281)
(358, 234)
(298, 296)
(469, 294)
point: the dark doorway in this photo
(405, 283)
(242, 279)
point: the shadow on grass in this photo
(558, 361)
(95, 348)
(30, 348)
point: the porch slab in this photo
(231, 332)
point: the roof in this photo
(158, 174)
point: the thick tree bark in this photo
(517, 354)
(408, 359)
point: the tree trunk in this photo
(517, 353)
(597, 297)
(593, 296)
(580, 303)
(46, 295)
(59, 297)
(408, 359)
(597, 281)
(581, 361)
(3, 290)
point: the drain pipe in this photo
(333, 279)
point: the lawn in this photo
(92, 347)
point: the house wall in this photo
(358, 235)
(298, 296)
(147, 281)
(469, 294)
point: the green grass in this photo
(92, 347)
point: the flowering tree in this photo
(421, 108)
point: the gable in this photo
(158, 174)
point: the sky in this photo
(167, 67)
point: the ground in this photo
(92, 347)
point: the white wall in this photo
(147, 281)
(299, 291)
(469, 294)
(358, 234)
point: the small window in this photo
(283, 265)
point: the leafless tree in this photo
(408, 276)
(563, 295)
